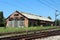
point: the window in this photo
(22, 18)
(16, 15)
(10, 19)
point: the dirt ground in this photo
(50, 38)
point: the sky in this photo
(43, 8)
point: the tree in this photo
(49, 17)
(57, 22)
(1, 18)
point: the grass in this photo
(9, 29)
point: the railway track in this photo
(30, 35)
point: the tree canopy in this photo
(57, 22)
(49, 17)
(1, 18)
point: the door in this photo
(16, 23)
(20, 23)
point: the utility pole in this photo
(56, 17)
(56, 14)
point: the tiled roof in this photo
(32, 16)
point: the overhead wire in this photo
(52, 5)
(27, 6)
(55, 3)
(15, 6)
(7, 3)
(46, 4)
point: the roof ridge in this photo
(30, 14)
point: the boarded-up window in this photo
(10, 19)
(16, 14)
